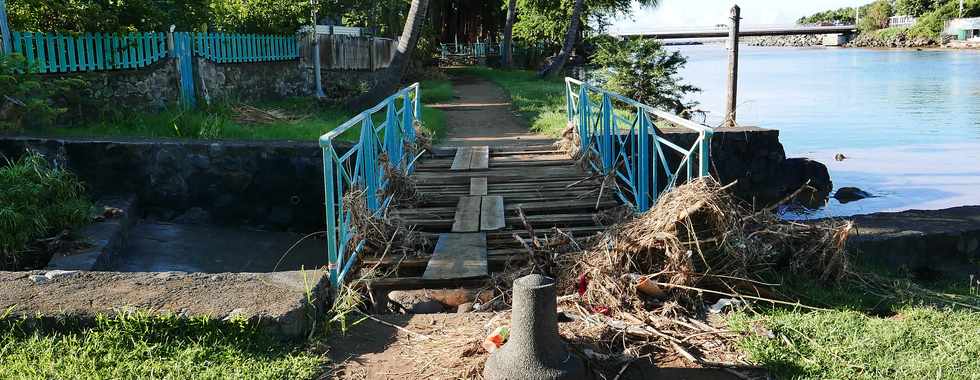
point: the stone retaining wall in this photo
(279, 185)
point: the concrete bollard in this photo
(534, 350)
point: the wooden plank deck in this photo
(546, 185)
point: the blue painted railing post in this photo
(368, 160)
(8, 44)
(584, 118)
(607, 134)
(645, 160)
(393, 136)
(331, 206)
(408, 121)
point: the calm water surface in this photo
(909, 121)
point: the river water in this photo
(908, 121)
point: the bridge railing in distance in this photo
(385, 131)
(621, 137)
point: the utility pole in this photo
(5, 40)
(316, 52)
(736, 17)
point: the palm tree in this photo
(506, 50)
(571, 35)
(392, 76)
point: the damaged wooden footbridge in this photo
(476, 206)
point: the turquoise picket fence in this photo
(238, 48)
(63, 53)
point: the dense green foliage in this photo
(242, 16)
(29, 101)
(875, 16)
(539, 101)
(931, 23)
(139, 346)
(641, 69)
(37, 201)
(222, 121)
(547, 20)
(913, 8)
(840, 15)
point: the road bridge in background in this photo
(745, 31)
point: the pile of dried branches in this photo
(641, 288)
(383, 234)
(400, 186)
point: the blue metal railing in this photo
(361, 168)
(622, 135)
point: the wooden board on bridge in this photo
(458, 256)
(471, 158)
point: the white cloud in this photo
(687, 13)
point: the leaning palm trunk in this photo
(570, 36)
(506, 50)
(392, 76)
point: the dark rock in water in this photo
(840, 157)
(802, 171)
(851, 194)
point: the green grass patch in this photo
(437, 91)
(222, 121)
(863, 336)
(540, 101)
(139, 346)
(37, 201)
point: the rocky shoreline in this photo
(898, 40)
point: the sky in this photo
(685, 13)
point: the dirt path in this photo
(482, 114)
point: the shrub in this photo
(931, 24)
(28, 101)
(643, 70)
(37, 200)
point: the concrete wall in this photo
(279, 185)
(274, 185)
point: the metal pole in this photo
(7, 42)
(316, 53)
(732, 66)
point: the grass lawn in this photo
(143, 347)
(221, 121)
(862, 337)
(540, 101)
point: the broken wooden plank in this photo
(457, 256)
(492, 213)
(480, 159)
(462, 159)
(467, 217)
(478, 186)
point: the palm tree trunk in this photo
(392, 76)
(506, 50)
(570, 36)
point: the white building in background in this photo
(964, 29)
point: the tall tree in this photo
(583, 10)
(506, 49)
(571, 35)
(392, 76)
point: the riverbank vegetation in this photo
(862, 335)
(287, 119)
(877, 32)
(38, 201)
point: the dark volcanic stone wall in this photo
(279, 185)
(276, 185)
